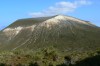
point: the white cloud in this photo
(82, 2)
(61, 8)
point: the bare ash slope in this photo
(62, 32)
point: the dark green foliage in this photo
(62, 65)
(48, 57)
(2, 64)
(33, 64)
(91, 61)
(43, 57)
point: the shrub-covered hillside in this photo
(48, 57)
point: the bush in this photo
(43, 57)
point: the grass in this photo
(42, 57)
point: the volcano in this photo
(63, 32)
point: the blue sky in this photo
(11, 10)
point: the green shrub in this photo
(42, 57)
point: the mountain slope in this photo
(63, 32)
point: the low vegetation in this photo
(45, 57)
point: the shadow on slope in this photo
(91, 61)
